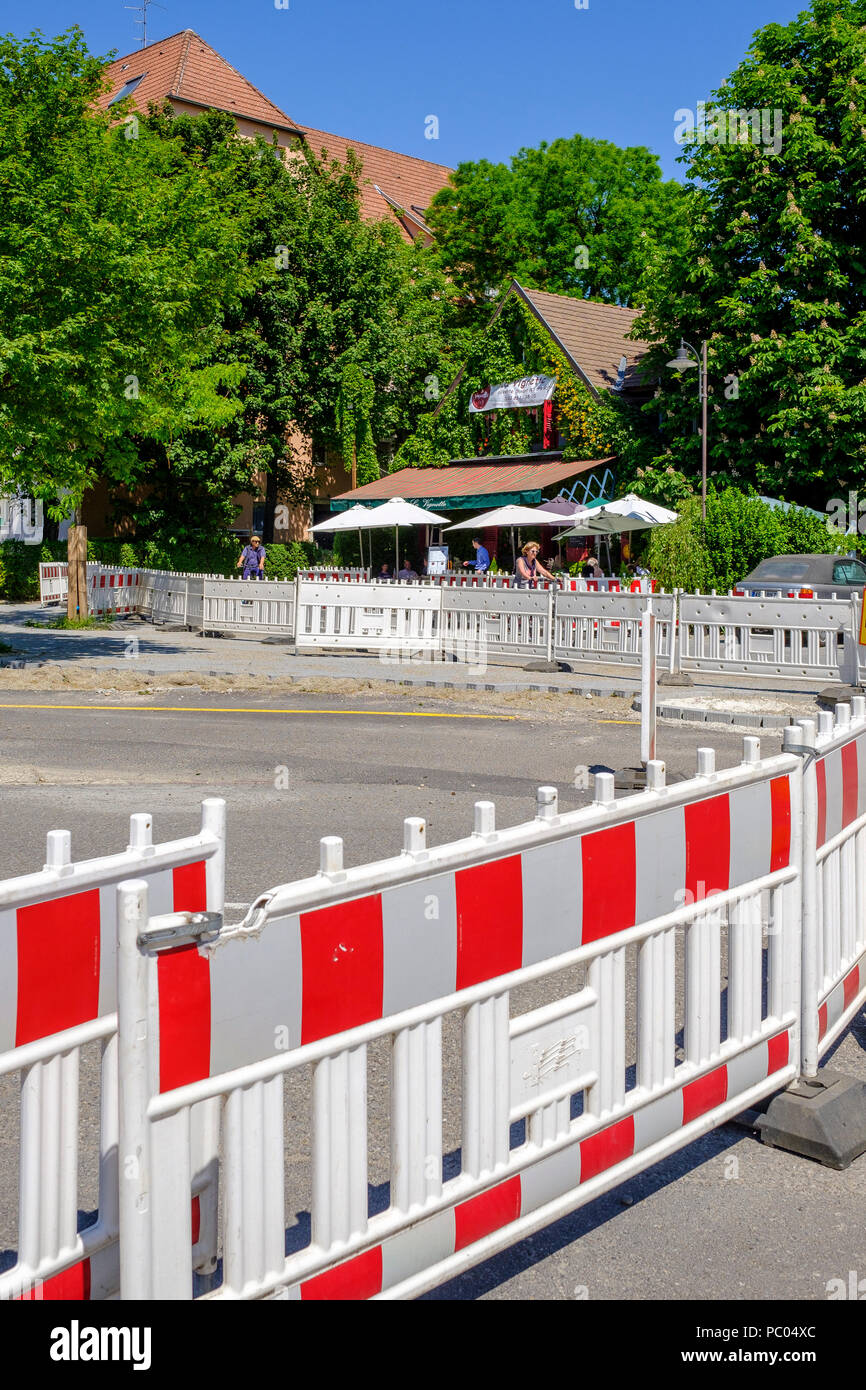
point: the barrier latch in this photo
(181, 929)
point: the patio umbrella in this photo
(511, 516)
(346, 521)
(629, 513)
(395, 512)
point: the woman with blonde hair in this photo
(529, 567)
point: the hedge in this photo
(19, 563)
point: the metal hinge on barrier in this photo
(181, 929)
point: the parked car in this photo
(805, 576)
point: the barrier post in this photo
(132, 1025)
(551, 610)
(648, 685)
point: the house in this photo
(188, 73)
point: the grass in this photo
(74, 624)
(5, 648)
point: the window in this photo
(849, 572)
(127, 89)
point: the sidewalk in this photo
(139, 649)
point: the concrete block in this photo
(823, 1117)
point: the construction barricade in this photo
(58, 993)
(607, 627)
(834, 879)
(247, 605)
(803, 639)
(53, 582)
(495, 967)
(370, 617)
(496, 621)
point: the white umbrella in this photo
(629, 513)
(395, 512)
(510, 515)
(346, 521)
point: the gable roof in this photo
(388, 179)
(185, 68)
(188, 69)
(592, 336)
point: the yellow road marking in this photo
(220, 709)
(618, 721)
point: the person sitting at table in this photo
(407, 572)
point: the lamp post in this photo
(681, 363)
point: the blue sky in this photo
(497, 74)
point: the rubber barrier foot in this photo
(541, 665)
(835, 695)
(675, 678)
(821, 1117)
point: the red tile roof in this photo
(592, 335)
(469, 480)
(185, 67)
(188, 69)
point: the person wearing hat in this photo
(529, 567)
(252, 561)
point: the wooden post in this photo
(76, 603)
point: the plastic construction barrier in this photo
(371, 617)
(834, 891)
(58, 993)
(491, 621)
(803, 639)
(607, 627)
(246, 605)
(566, 1093)
(53, 582)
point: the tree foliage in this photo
(573, 217)
(772, 269)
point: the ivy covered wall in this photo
(514, 345)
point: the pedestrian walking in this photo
(481, 563)
(252, 561)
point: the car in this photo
(804, 576)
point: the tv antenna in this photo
(142, 9)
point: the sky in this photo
(497, 75)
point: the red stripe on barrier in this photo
(183, 978)
(849, 783)
(609, 881)
(708, 847)
(821, 784)
(778, 1052)
(478, 1216)
(489, 920)
(356, 1279)
(67, 1286)
(58, 965)
(342, 956)
(851, 986)
(780, 815)
(196, 1219)
(706, 1093)
(607, 1148)
(189, 887)
(822, 1020)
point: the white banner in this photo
(514, 395)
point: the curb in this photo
(710, 716)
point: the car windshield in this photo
(781, 570)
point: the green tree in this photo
(771, 270)
(117, 259)
(574, 217)
(354, 404)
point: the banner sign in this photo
(514, 395)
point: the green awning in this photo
(483, 502)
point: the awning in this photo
(470, 486)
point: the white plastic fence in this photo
(834, 882)
(53, 582)
(58, 993)
(570, 1084)
(607, 627)
(375, 617)
(496, 621)
(237, 605)
(802, 639)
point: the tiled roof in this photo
(186, 67)
(469, 480)
(403, 180)
(592, 335)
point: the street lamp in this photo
(681, 363)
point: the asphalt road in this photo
(724, 1218)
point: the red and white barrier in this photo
(330, 965)
(58, 992)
